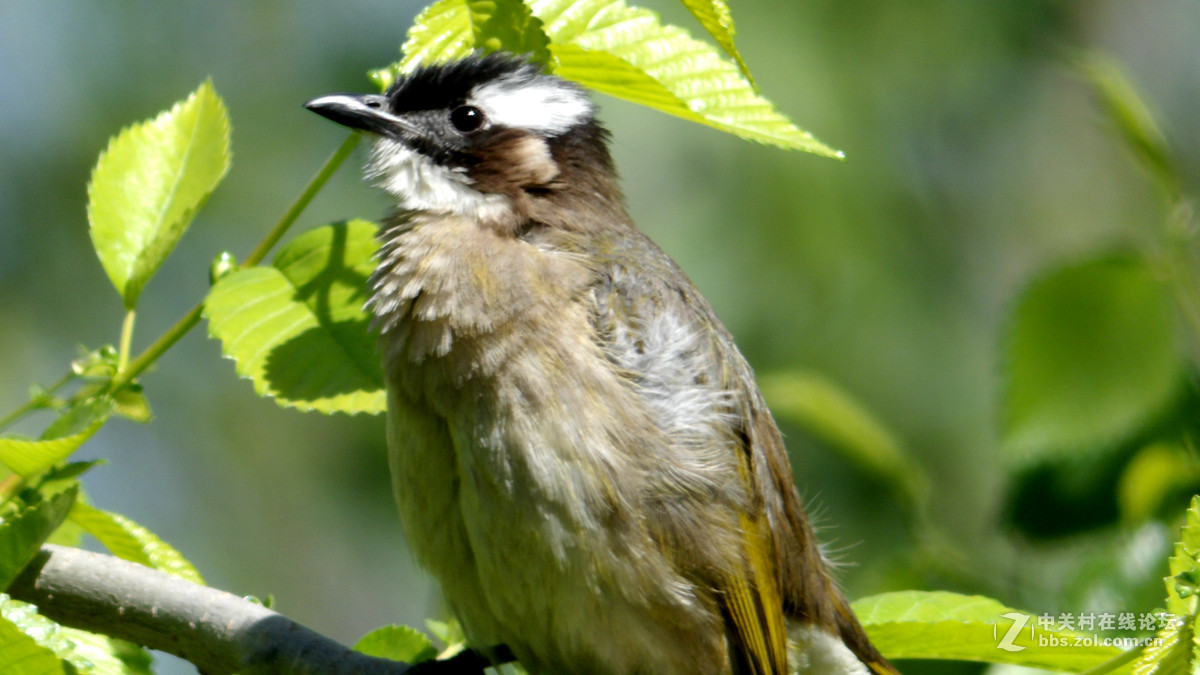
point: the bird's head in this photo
(486, 137)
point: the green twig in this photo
(188, 322)
(29, 406)
(37, 402)
(154, 351)
(126, 340)
(318, 181)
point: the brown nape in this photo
(566, 182)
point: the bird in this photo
(580, 454)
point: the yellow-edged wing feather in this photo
(752, 600)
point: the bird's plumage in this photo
(579, 451)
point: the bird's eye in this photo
(467, 118)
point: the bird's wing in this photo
(655, 326)
(673, 340)
(810, 595)
(751, 597)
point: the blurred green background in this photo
(975, 158)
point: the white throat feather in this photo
(420, 184)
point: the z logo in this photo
(1006, 643)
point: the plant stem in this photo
(126, 340)
(35, 403)
(28, 407)
(161, 345)
(318, 181)
(168, 339)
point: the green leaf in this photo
(81, 416)
(398, 643)
(706, 85)
(82, 652)
(298, 330)
(452, 29)
(102, 655)
(1174, 648)
(610, 74)
(129, 541)
(29, 458)
(1132, 118)
(22, 533)
(830, 413)
(131, 403)
(714, 15)
(1154, 479)
(621, 50)
(449, 632)
(508, 25)
(67, 534)
(20, 654)
(149, 183)
(941, 625)
(1170, 652)
(441, 32)
(65, 473)
(1090, 359)
(1182, 597)
(64, 477)
(453, 639)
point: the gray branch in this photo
(217, 631)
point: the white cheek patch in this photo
(544, 105)
(423, 185)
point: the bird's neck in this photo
(443, 282)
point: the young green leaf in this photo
(508, 24)
(441, 32)
(81, 415)
(29, 458)
(1153, 480)
(22, 534)
(129, 541)
(298, 329)
(1183, 596)
(102, 655)
(714, 15)
(1170, 651)
(131, 403)
(451, 634)
(1132, 118)
(398, 643)
(1090, 358)
(148, 184)
(20, 654)
(83, 653)
(61, 476)
(619, 50)
(942, 625)
(1174, 648)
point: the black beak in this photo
(367, 112)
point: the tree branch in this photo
(217, 631)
